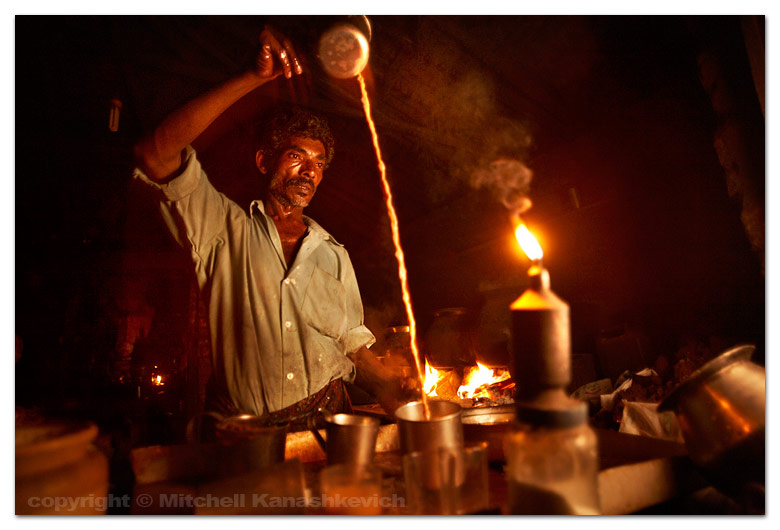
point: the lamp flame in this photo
(528, 243)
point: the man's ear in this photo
(259, 161)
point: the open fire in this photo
(479, 383)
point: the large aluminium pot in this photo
(721, 411)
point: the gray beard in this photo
(285, 200)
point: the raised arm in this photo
(159, 153)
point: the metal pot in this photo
(721, 411)
(450, 340)
(250, 442)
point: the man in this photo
(285, 314)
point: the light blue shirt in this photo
(278, 333)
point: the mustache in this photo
(300, 181)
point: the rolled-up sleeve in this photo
(180, 186)
(193, 209)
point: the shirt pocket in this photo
(325, 305)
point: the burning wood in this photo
(479, 380)
(480, 385)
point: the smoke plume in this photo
(498, 145)
(509, 180)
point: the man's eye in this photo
(294, 155)
(320, 165)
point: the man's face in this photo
(298, 171)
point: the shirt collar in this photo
(314, 227)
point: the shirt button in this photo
(290, 376)
(287, 281)
(288, 324)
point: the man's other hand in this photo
(397, 389)
(390, 387)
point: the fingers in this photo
(265, 62)
(277, 48)
(292, 59)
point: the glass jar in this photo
(552, 470)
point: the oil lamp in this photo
(540, 331)
(552, 458)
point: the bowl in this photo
(51, 445)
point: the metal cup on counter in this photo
(351, 439)
(441, 475)
(443, 429)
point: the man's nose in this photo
(309, 168)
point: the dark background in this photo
(645, 136)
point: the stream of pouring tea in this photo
(399, 253)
